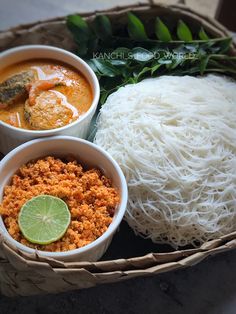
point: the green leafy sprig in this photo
(119, 60)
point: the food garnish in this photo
(134, 53)
(44, 219)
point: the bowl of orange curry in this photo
(44, 91)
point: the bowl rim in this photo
(95, 83)
(112, 227)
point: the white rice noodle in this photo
(175, 140)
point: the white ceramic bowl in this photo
(87, 153)
(10, 136)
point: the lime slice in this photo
(44, 219)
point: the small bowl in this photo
(10, 136)
(86, 153)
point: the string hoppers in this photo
(175, 140)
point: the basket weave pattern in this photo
(24, 274)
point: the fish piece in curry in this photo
(15, 87)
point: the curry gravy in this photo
(75, 91)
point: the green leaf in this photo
(105, 68)
(145, 70)
(164, 61)
(203, 64)
(142, 55)
(81, 32)
(82, 48)
(202, 34)
(136, 28)
(121, 53)
(78, 27)
(161, 30)
(104, 95)
(191, 47)
(225, 45)
(92, 65)
(175, 63)
(118, 62)
(155, 68)
(102, 27)
(183, 31)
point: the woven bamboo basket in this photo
(23, 274)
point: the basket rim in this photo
(208, 23)
(211, 247)
(221, 244)
(141, 6)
